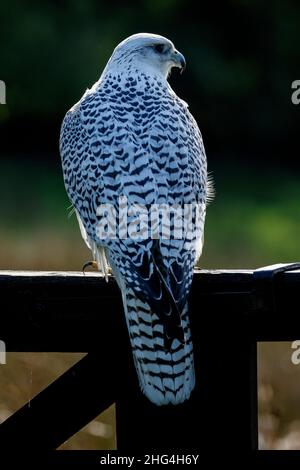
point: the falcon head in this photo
(146, 52)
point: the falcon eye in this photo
(159, 48)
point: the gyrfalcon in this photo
(135, 171)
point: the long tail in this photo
(165, 376)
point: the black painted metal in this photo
(230, 311)
(63, 408)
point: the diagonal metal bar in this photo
(64, 407)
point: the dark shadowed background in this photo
(242, 57)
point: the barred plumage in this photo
(131, 140)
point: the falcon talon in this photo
(93, 264)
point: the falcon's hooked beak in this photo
(178, 60)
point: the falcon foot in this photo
(93, 264)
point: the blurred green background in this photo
(242, 57)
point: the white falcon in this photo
(130, 141)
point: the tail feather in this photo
(165, 376)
